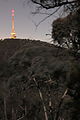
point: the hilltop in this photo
(9, 46)
(37, 76)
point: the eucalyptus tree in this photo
(63, 30)
(66, 30)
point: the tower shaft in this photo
(13, 24)
(13, 34)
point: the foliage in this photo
(40, 82)
(66, 30)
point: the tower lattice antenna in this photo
(13, 33)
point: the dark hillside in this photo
(39, 82)
(9, 46)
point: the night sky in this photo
(24, 21)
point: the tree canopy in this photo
(66, 30)
(38, 84)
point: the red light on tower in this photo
(13, 12)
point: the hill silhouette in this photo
(9, 46)
(38, 81)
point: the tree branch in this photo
(47, 6)
(21, 117)
(47, 17)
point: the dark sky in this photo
(24, 21)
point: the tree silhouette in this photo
(49, 4)
(66, 30)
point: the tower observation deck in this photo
(13, 33)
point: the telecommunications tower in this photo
(13, 33)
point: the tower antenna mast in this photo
(13, 33)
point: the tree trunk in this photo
(59, 106)
(13, 114)
(41, 96)
(5, 110)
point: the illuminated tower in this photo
(13, 34)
